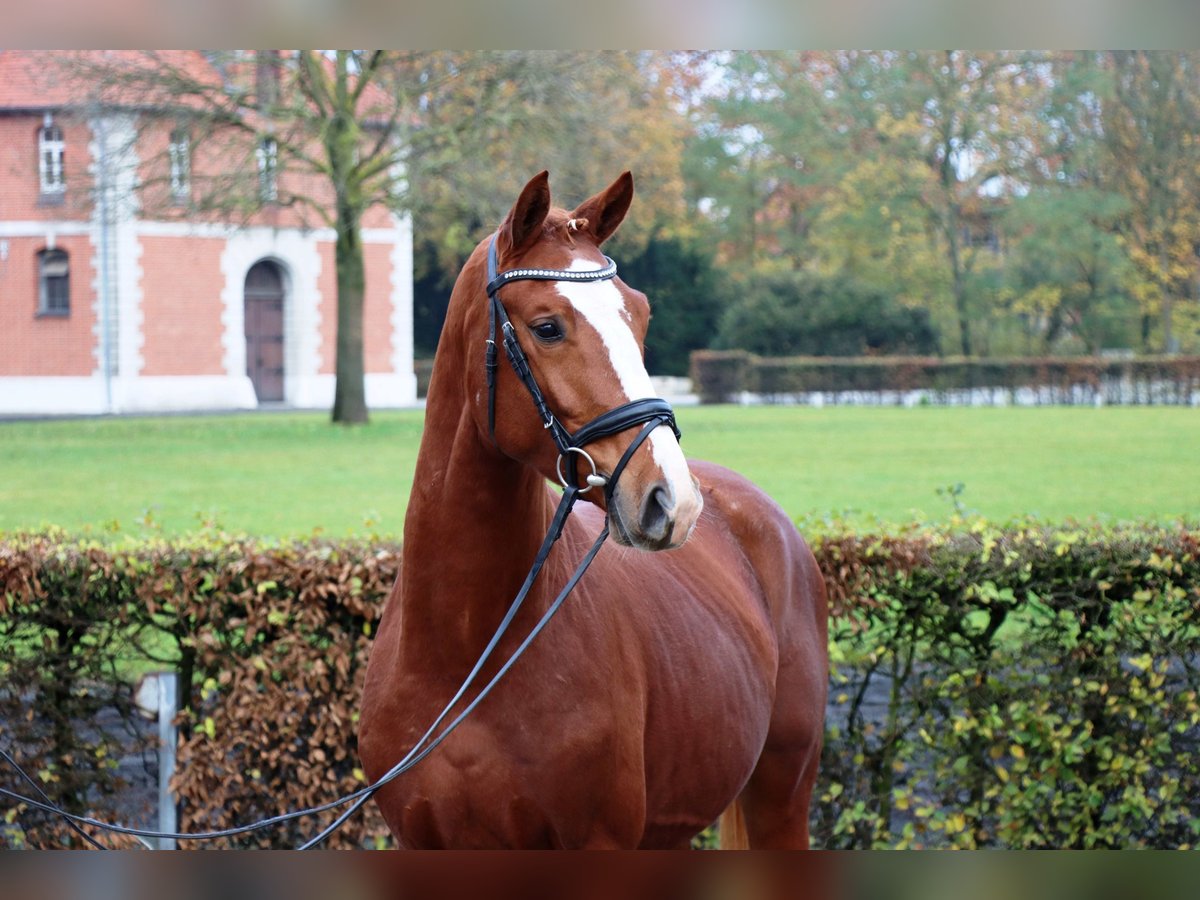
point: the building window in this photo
(268, 165)
(180, 152)
(266, 78)
(54, 283)
(50, 160)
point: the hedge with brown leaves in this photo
(1030, 686)
(721, 376)
(271, 642)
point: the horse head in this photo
(583, 339)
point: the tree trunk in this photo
(959, 288)
(950, 221)
(349, 400)
(1169, 344)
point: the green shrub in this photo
(687, 296)
(793, 313)
(1035, 687)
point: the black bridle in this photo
(649, 412)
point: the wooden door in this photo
(264, 331)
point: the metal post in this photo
(167, 736)
(157, 696)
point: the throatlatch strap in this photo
(491, 365)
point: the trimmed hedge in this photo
(721, 376)
(1021, 687)
(1032, 687)
(271, 642)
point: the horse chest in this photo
(590, 746)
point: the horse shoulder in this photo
(777, 554)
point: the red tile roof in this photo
(49, 79)
(40, 79)
(23, 81)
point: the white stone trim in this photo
(395, 390)
(384, 390)
(299, 257)
(159, 228)
(171, 393)
(116, 136)
(49, 395)
(401, 230)
(44, 228)
(85, 395)
(402, 316)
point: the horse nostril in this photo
(658, 513)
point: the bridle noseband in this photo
(649, 412)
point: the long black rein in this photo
(650, 413)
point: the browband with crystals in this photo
(498, 281)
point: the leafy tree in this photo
(1150, 124)
(583, 116)
(687, 295)
(765, 147)
(1067, 269)
(890, 167)
(874, 229)
(956, 132)
(805, 314)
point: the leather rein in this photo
(650, 413)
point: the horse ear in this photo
(524, 220)
(605, 212)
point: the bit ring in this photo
(595, 479)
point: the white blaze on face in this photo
(601, 304)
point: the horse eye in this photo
(547, 331)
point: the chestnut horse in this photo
(674, 685)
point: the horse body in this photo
(669, 685)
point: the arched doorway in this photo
(264, 330)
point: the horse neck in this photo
(474, 523)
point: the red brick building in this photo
(110, 303)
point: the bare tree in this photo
(320, 135)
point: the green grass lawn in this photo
(293, 474)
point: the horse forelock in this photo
(560, 226)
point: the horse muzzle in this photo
(656, 517)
